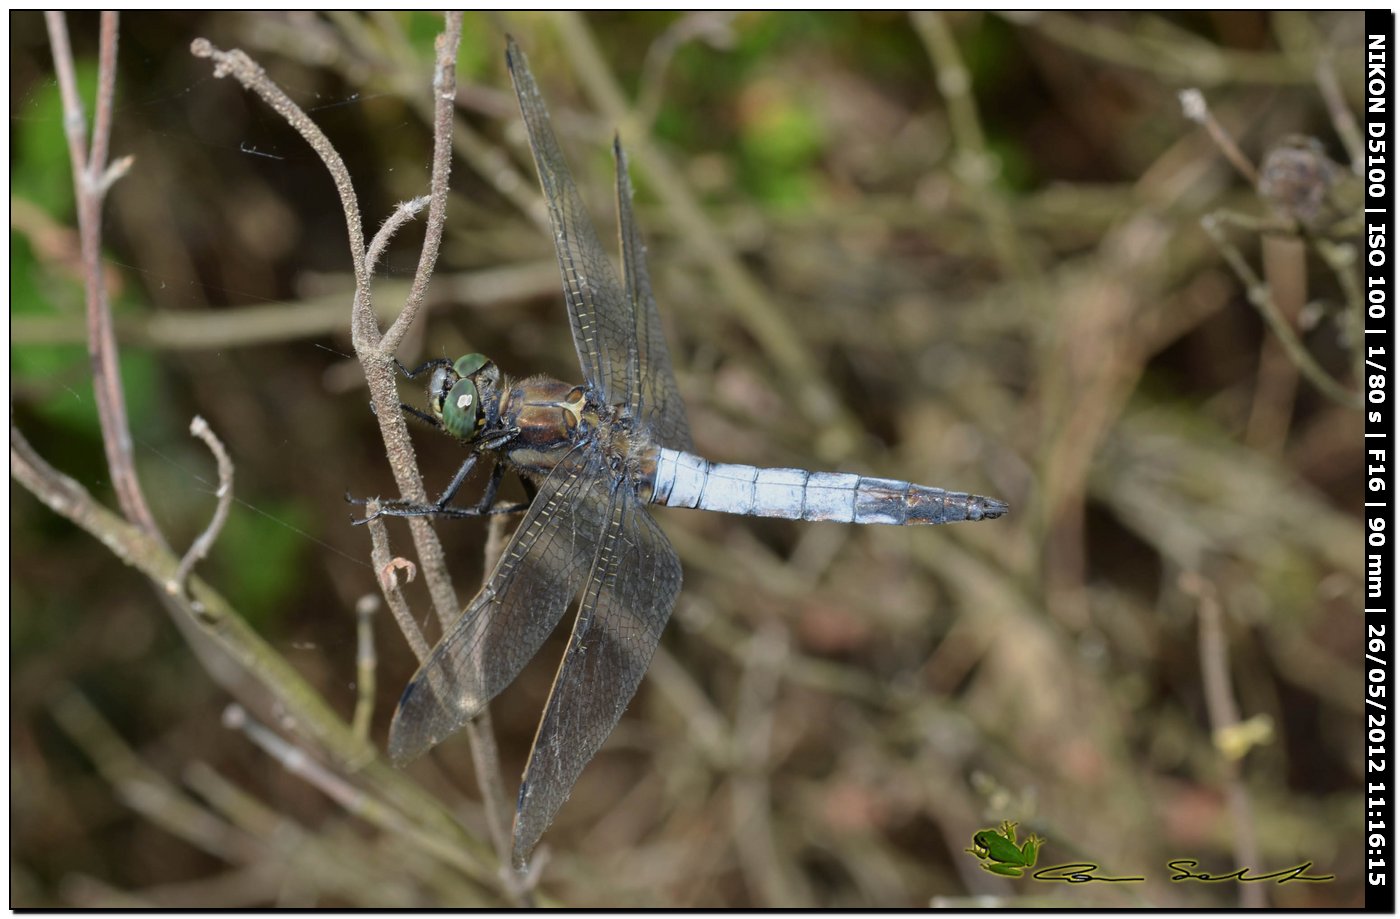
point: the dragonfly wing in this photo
(539, 573)
(652, 390)
(626, 603)
(599, 313)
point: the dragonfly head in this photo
(456, 394)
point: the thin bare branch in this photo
(74, 121)
(1195, 107)
(201, 546)
(1257, 292)
(378, 366)
(90, 179)
(376, 353)
(444, 105)
(106, 93)
(480, 734)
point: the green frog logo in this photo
(1000, 853)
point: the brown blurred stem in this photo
(975, 165)
(1171, 58)
(366, 664)
(1197, 109)
(1224, 716)
(142, 788)
(1343, 121)
(296, 761)
(312, 317)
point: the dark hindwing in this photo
(630, 593)
(541, 570)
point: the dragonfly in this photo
(596, 454)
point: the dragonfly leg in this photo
(440, 508)
(426, 365)
(486, 506)
(410, 410)
(421, 415)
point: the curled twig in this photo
(388, 575)
(386, 564)
(405, 212)
(201, 546)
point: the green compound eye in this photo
(469, 364)
(461, 412)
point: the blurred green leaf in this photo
(39, 166)
(55, 380)
(781, 142)
(258, 558)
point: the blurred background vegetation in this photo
(964, 251)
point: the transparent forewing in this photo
(598, 313)
(652, 390)
(617, 334)
(541, 570)
(629, 596)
